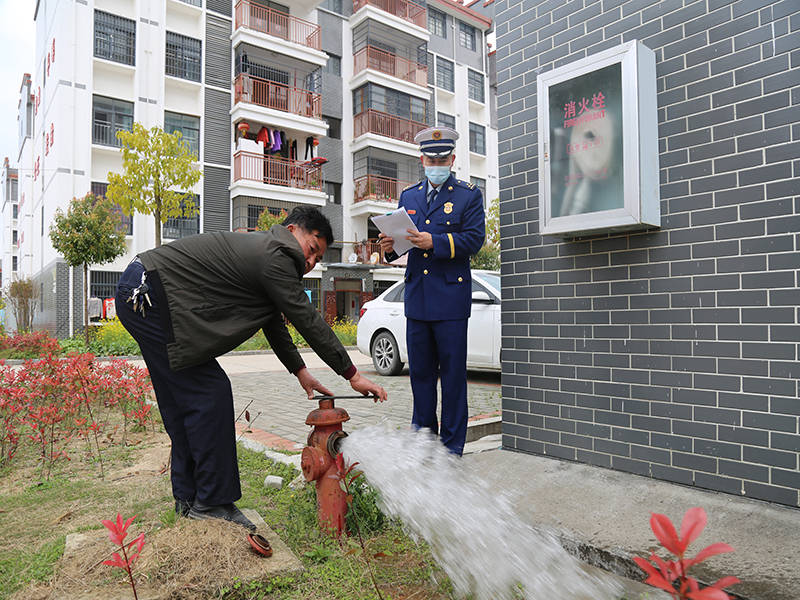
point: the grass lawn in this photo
(36, 516)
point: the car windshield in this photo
(493, 279)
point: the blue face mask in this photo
(437, 175)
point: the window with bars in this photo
(189, 127)
(437, 22)
(479, 183)
(334, 192)
(14, 263)
(114, 38)
(183, 56)
(445, 120)
(475, 86)
(477, 138)
(444, 74)
(312, 285)
(431, 74)
(467, 36)
(334, 65)
(334, 127)
(109, 116)
(103, 284)
(126, 221)
(181, 227)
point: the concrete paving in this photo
(602, 515)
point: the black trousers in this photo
(196, 403)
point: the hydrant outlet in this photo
(313, 463)
(335, 442)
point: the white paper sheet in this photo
(396, 225)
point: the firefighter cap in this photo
(437, 142)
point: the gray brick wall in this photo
(671, 353)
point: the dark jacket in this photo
(221, 288)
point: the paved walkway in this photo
(278, 406)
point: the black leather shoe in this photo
(228, 512)
(182, 507)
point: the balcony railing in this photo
(381, 123)
(272, 22)
(381, 189)
(406, 10)
(105, 133)
(275, 170)
(365, 249)
(391, 64)
(271, 94)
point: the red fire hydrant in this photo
(318, 462)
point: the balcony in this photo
(374, 195)
(277, 96)
(277, 31)
(404, 9)
(276, 178)
(277, 24)
(366, 250)
(386, 125)
(379, 60)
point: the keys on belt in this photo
(140, 296)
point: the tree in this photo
(90, 233)
(23, 294)
(488, 257)
(266, 219)
(154, 165)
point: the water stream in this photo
(472, 529)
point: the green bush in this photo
(112, 339)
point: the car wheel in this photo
(386, 354)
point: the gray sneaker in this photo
(227, 512)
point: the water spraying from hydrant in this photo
(473, 532)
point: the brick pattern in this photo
(671, 353)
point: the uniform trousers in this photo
(438, 350)
(196, 403)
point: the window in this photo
(480, 184)
(183, 57)
(103, 284)
(475, 85)
(114, 38)
(14, 237)
(126, 221)
(334, 127)
(334, 65)
(189, 127)
(444, 74)
(437, 22)
(334, 191)
(109, 116)
(14, 211)
(181, 227)
(312, 285)
(378, 287)
(477, 138)
(13, 263)
(332, 5)
(467, 36)
(431, 74)
(445, 120)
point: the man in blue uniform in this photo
(438, 294)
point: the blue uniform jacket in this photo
(438, 281)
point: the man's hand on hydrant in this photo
(364, 386)
(310, 383)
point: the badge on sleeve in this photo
(448, 208)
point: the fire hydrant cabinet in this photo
(318, 462)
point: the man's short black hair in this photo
(311, 219)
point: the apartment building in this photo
(283, 103)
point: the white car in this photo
(382, 327)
